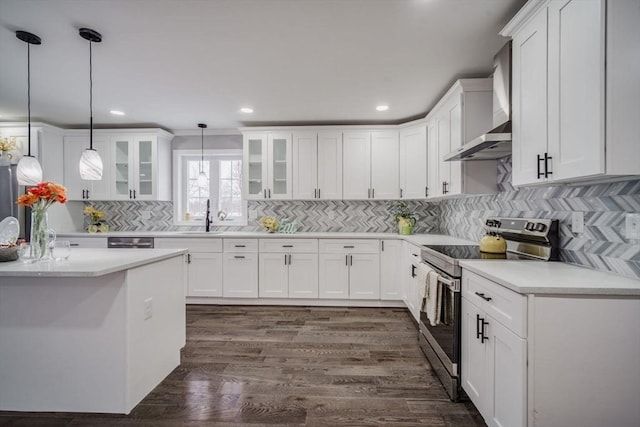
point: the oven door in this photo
(444, 337)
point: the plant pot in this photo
(405, 226)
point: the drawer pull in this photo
(483, 296)
(287, 246)
(74, 244)
(239, 256)
(349, 247)
(240, 246)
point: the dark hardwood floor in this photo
(289, 366)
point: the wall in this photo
(602, 245)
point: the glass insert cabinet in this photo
(134, 170)
(268, 171)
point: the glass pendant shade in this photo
(29, 171)
(90, 165)
(202, 180)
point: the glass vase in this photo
(41, 235)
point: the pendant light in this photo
(29, 171)
(203, 181)
(90, 162)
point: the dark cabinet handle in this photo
(415, 255)
(289, 259)
(350, 259)
(373, 193)
(287, 246)
(130, 194)
(240, 246)
(188, 258)
(426, 191)
(315, 193)
(74, 244)
(318, 193)
(478, 332)
(483, 338)
(482, 295)
(382, 249)
(134, 194)
(265, 193)
(346, 260)
(547, 157)
(269, 192)
(87, 194)
(348, 247)
(401, 193)
(413, 270)
(239, 256)
(285, 259)
(540, 174)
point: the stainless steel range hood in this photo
(497, 142)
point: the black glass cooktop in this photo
(471, 252)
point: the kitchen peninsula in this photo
(95, 333)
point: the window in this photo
(223, 187)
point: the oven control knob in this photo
(540, 227)
(529, 226)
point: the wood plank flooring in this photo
(314, 366)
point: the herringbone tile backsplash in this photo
(602, 245)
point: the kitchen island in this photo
(95, 333)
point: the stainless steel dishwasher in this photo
(130, 242)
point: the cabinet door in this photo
(145, 179)
(305, 165)
(529, 105)
(240, 275)
(434, 187)
(576, 88)
(444, 168)
(454, 117)
(385, 165)
(204, 274)
(333, 276)
(330, 165)
(279, 166)
(413, 162)
(73, 147)
(474, 372)
(507, 373)
(390, 270)
(356, 165)
(364, 276)
(303, 275)
(123, 173)
(255, 165)
(273, 276)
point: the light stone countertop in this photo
(87, 262)
(552, 278)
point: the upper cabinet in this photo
(462, 114)
(131, 164)
(317, 165)
(413, 162)
(574, 118)
(370, 165)
(267, 172)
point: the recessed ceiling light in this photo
(117, 112)
(382, 107)
(246, 110)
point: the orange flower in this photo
(44, 194)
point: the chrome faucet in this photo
(207, 218)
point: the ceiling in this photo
(175, 63)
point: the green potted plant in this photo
(405, 219)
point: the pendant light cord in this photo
(201, 150)
(29, 99)
(90, 98)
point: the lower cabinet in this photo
(390, 270)
(349, 269)
(204, 264)
(409, 278)
(494, 358)
(287, 275)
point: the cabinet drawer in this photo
(289, 245)
(368, 246)
(194, 245)
(86, 242)
(240, 245)
(507, 307)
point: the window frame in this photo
(180, 189)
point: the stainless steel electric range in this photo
(526, 238)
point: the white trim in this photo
(316, 302)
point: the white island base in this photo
(98, 343)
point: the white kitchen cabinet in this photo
(494, 357)
(240, 268)
(138, 167)
(462, 114)
(391, 270)
(409, 277)
(349, 269)
(288, 268)
(576, 95)
(317, 165)
(86, 242)
(371, 162)
(78, 188)
(268, 171)
(413, 162)
(204, 264)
